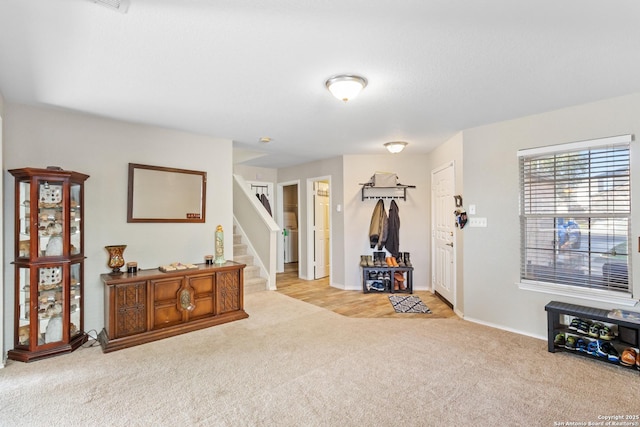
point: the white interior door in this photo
(321, 229)
(443, 225)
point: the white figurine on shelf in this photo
(54, 246)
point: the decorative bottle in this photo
(219, 246)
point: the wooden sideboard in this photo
(151, 305)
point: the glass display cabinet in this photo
(49, 261)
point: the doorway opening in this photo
(290, 236)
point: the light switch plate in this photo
(477, 222)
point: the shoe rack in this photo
(386, 275)
(625, 335)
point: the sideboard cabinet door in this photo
(130, 309)
(229, 285)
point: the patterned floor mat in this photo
(408, 304)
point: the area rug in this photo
(408, 304)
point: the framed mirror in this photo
(161, 194)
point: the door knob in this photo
(449, 244)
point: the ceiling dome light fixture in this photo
(346, 86)
(395, 146)
(119, 5)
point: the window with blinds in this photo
(575, 210)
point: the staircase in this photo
(253, 282)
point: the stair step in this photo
(251, 271)
(253, 282)
(239, 249)
(256, 284)
(243, 259)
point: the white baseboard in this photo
(515, 331)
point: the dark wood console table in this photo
(151, 305)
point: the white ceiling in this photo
(244, 69)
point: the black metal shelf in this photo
(408, 271)
(368, 186)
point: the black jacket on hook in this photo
(378, 226)
(265, 202)
(392, 243)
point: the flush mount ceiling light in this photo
(120, 5)
(395, 146)
(345, 86)
(265, 140)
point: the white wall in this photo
(102, 148)
(412, 169)
(491, 255)
(254, 173)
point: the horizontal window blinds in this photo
(575, 214)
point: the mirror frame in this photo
(132, 197)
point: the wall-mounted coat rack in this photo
(398, 192)
(263, 188)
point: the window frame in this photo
(573, 290)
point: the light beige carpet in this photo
(294, 364)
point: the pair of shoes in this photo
(399, 281)
(574, 323)
(583, 327)
(594, 330)
(629, 357)
(366, 261)
(407, 261)
(378, 259)
(599, 330)
(570, 343)
(579, 344)
(579, 325)
(608, 351)
(582, 344)
(606, 333)
(391, 262)
(559, 340)
(375, 286)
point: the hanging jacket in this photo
(392, 243)
(265, 202)
(378, 226)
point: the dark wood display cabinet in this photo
(150, 305)
(49, 262)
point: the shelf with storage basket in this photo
(384, 185)
(593, 333)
